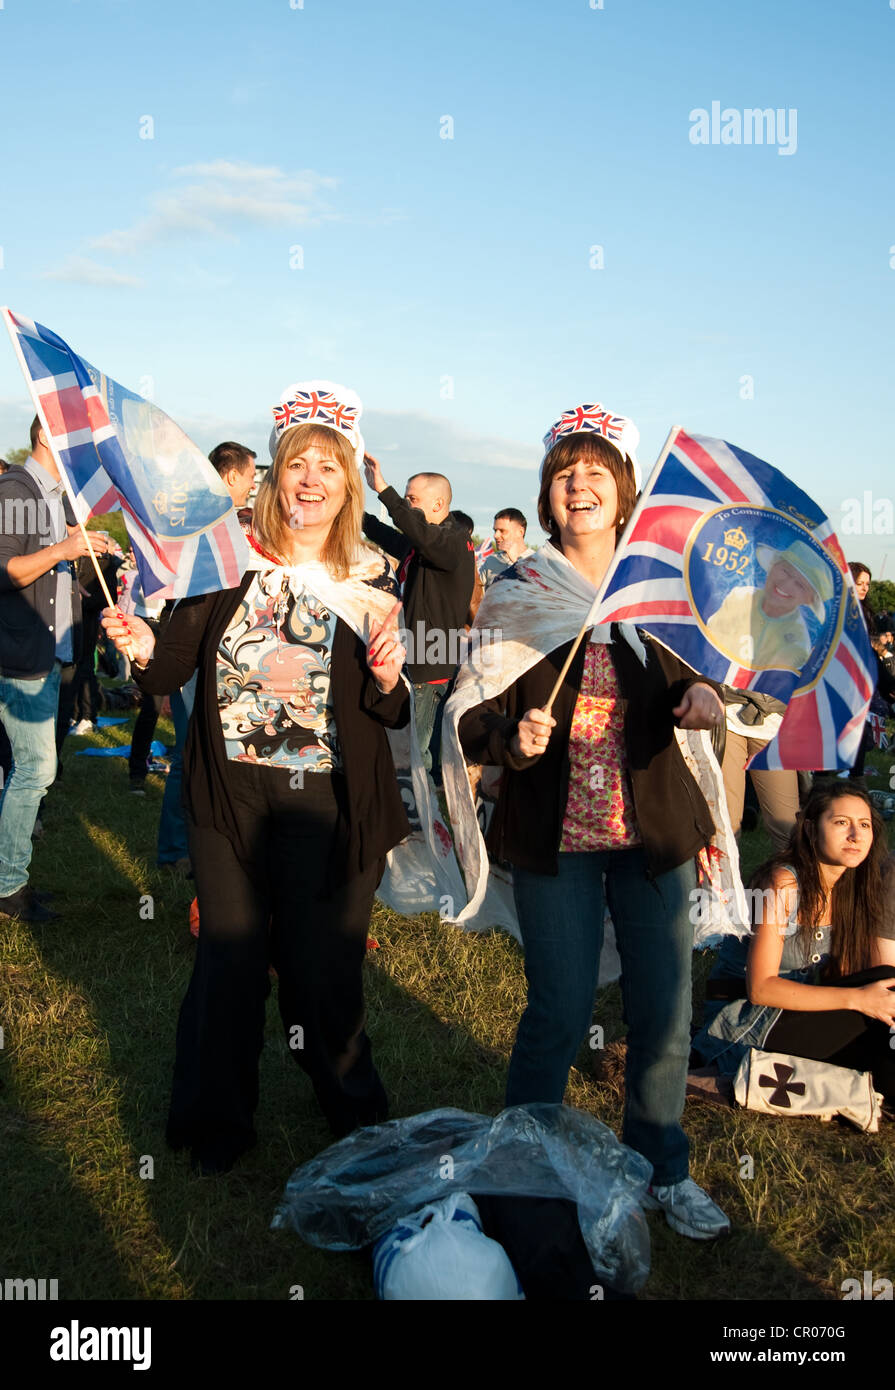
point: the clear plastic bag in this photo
(356, 1190)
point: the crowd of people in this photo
(282, 798)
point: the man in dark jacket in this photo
(436, 560)
(40, 615)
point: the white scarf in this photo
(536, 607)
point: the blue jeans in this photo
(172, 840)
(427, 702)
(28, 710)
(561, 920)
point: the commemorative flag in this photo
(735, 569)
(116, 449)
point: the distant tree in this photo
(113, 522)
(881, 595)
(17, 456)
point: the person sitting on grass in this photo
(817, 978)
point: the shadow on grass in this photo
(91, 1070)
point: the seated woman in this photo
(817, 979)
(289, 787)
(598, 787)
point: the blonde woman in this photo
(289, 787)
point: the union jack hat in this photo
(617, 429)
(319, 403)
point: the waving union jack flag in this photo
(118, 450)
(739, 572)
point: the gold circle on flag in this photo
(804, 533)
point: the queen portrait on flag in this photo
(289, 785)
(596, 804)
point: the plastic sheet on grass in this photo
(356, 1190)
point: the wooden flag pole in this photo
(131, 650)
(589, 620)
(59, 464)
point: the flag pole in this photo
(131, 649)
(589, 620)
(59, 464)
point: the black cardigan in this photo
(526, 828)
(439, 582)
(373, 809)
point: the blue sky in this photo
(463, 265)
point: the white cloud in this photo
(220, 196)
(80, 270)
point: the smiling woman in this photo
(311, 501)
(596, 804)
(290, 789)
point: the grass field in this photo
(92, 1197)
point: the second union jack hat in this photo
(319, 403)
(618, 430)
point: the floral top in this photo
(273, 677)
(600, 809)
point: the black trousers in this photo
(293, 907)
(144, 727)
(79, 693)
(842, 1037)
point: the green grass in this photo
(89, 1007)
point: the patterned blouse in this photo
(599, 810)
(273, 677)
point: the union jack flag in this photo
(115, 450)
(694, 571)
(586, 417)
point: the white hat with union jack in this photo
(319, 403)
(618, 430)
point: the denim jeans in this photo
(172, 835)
(28, 711)
(427, 701)
(561, 920)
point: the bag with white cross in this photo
(781, 1085)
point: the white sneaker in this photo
(688, 1210)
(83, 726)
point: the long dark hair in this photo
(858, 902)
(857, 569)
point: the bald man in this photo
(436, 560)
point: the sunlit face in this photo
(785, 590)
(508, 535)
(584, 499)
(845, 832)
(862, 584)
(240, 482)
(423, 497)
(312, 489)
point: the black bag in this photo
(543, 1240)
